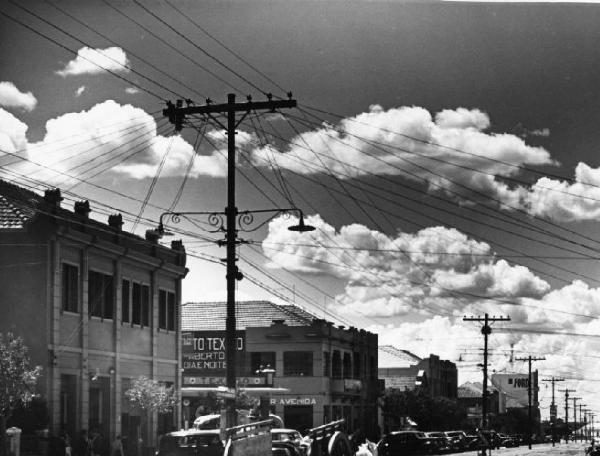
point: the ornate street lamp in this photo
(230, 226)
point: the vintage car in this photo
(193, 442)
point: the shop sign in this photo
(203, 352)
(294, 401)
(221, 381)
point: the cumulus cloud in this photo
(435, 269)
(405, 141)
(12, 134)
(108, 133)
(96, 61)
(79, 91)
(132, 90)
(11, 97)
(566, 201)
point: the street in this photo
(571, 449)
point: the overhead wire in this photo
(223, 45)
(153, 183)
(46, 37)
(170, 46)
(70, 35)
(198, 47)
(129, 51)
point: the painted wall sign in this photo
(221, 381)
(294, 401)
(203, 352)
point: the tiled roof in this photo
(390, 356)
(16, 206)
(199, 316)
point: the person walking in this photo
(116, 447)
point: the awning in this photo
(200, 390)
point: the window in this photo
(140, 304)
(297, 363)
(70, 288)
(326, 363)
(347, 366)
(336, 369)
(145, 305)
(171, 311)
(136, 304)
(356, 365)
(125, 301)
(166, 310)
(260, 360)
(100, 295)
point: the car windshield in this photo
(283, 436)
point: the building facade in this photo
(97, 307)
(322, 372)
(402, 369)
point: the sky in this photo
(446, 152)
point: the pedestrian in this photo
(82, 445)
(116, 448)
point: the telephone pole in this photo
(553, 410)
(575, 399)
(529, 360)
(486, 330)
(567, 391)
(177, 114)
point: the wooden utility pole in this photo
(567, 391)
(486, 330)
(529, 360)
(553, 411)
(177, 114)
(575, 399)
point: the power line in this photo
(148, 91)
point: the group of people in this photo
(87, 444)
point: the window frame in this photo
(141, 321)
(107, 293)
(65, 296)
(289, 372)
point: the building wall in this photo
(87, 360)
(352, 396)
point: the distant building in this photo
(515, 387)
(470, 396)
(404, 370)
(322, 372)
(96, 306)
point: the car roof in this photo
(191, 432)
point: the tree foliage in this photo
(430, 413)
(151, 396)
(17, 377)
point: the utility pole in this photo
(486, 330)
(530, 359)
(575, 399)
(567, 391)
(581, 419)
(177, 114)
(585, 423)
(553, 410)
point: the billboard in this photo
(515, 388)
(204, 355)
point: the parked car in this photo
(290, 436)
(458, 440)
(508, 441)
(193, 442)
(403, 443)
(284, 449)
(439, 441)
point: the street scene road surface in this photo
(564, 449)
